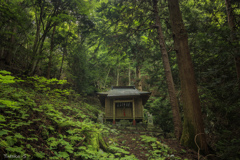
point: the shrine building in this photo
(124, 102)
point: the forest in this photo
(55, 55)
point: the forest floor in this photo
(132, 140)
(144, 148)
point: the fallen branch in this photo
(195, 140)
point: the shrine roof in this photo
(123, 92)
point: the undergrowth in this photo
(158, 150)
(42, 119)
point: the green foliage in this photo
(19, 112)
(148, 139)
(162, 113)
(5, 77)
(81, 71)
(49, 126)
(48, 86)
(158, 150)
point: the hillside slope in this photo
(43, 119)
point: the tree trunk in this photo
(193, 122)
(138, 77)
(106, 78)
(39, 53)
(233, 29)
(129, 74)
(39, 42)
(50, 56)
(37, 36)
(9, 57)
(36, 43)
(118, 67)
(63, 56)
(168, 74)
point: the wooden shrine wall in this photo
(123, 112)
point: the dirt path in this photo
(146, 147)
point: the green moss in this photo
(188, 135)
(93, 141)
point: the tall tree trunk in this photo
(193, 122)
(234, 38)
(64, 53)
(50, 56)
(37, 35)
(39, 41)
(118, 68)
(39, 53)
(106, 78)
(63, 56)
(36, 43)
(10, 52)
(168, 74)
(129, 74)
(138, 77)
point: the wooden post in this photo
(107, 107)
(134, 121)
(114, 112)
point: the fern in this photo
(29, 117)
(40, 155)
(5, 77)
(64, 155)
